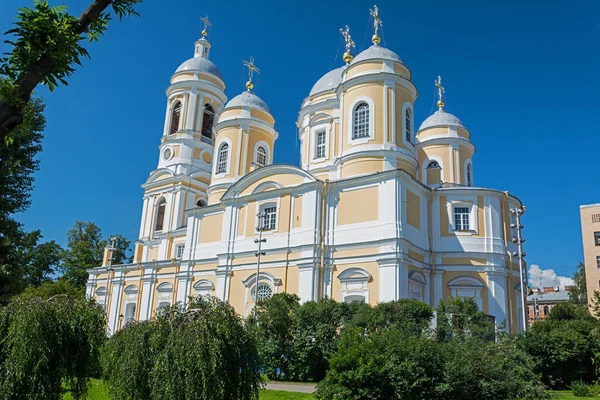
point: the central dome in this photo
(327, 82)
(248, 99)
(441, 118)
(200, 64)
(376, 51)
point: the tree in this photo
(47, 45)
(46, 343)
(578, 292)
(50, 289)
(203, 353)
(457, 317)
(596, 304)
(411, 316)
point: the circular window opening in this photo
(263, 293)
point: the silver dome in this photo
(441, 118)
(329, 81)
(200, 64)
(248, 99)
(376, 51)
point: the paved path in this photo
(292, 387)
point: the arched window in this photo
(160, 214)
(546, 311)
(433, 164)
(261, 156)
(175, 116)
(360, 126)
(208, 118)
(407, 125)
(222, 162)
(201, 203)
(262, 293)
(469, 176)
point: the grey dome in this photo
(329, 81)
(376, 51)
(441, 118)
(200, 64)
(248, 99)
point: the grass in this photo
(99, 392)
(566, 395)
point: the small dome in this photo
(329, 81)
(200, 64)
(248, 99)
(441, 118)
(376, 51)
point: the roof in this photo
(200, 64)
(441, 118)
(329, 81)
(376, 51)
(248, 99)
(549, 296)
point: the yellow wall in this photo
(211, 228)
(376, 93)
(361, 166)
(449, 275)
(297, 219)
(361, 68)
(371, 267)
(241, 221)
(351, 206)
(231, 133)
(254, 137)
(413, 209)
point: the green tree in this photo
(411, 316)
(596, 304)
(50, 289)
(47, 46)
(578, 292)
(203, 353)
(46, 343)
(457, 317)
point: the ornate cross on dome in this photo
(377, 22)
(441, 92)
(348, 57)
(251, 70)
(207, 24)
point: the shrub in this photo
(580, 389)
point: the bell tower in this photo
(180, 182)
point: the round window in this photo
(167, 153)
(263, 293)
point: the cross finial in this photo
(348, 57)
(251, 70)
(207, 24)
(377, 22)
(441, 92)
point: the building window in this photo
(222, 163)
(264, 292)
(175, 116)
(595, 218)
(407, 125)
(320, 140)
(461, 218)
(597, 238)
(360, 127)
(469, 176)
(261, 156)
(160, 214)
(546, 311)
(598, 262)
(208, 117)
(269, 216)
(179, 251)
(201, 203)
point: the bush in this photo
(580, 389)
(44, 344)
(204, 353)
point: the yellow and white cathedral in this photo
(377, 211)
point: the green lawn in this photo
(566, 395)
(99, 392)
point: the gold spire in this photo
(251, 70)
(348, 56)
(206, 25)
(377, 22)
(441, 91)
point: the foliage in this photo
(459, 318)
(85, 250)
(411, 316)
(50, 289)
(578, 292)
(204, 353)
(580, 389)
(596, 304)
(46, 343)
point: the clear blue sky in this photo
(523, 75)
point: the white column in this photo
(147, 289)
(427, 291)
(437, 288)
(144, 216)
(183, 285)
(389, 280)
(89, 287)
(167, 118)
(191, 110)
(403, 280)
(115, 302)
(306, 282)
(222, 284)
(200, 110)
(327, 278)
(497, 297)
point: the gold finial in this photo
(251, 70)
(377, 22)
(348, 56)
(441, 92)
(206, 25)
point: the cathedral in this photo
(377, 210)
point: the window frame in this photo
(209, 111)
(360, 129)
(161, 202)
(256, 287)
(465, 201)
(265, 146)
(408, 131)
(177, 250)
(463, 222)
(598, 262)
(371, 124)
(177, 105)
(320, 146)
(597, 238)
(225, 170)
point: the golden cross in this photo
(441, 92)
(377, 22)
(206, 25)
(251, 70)
(346, 34)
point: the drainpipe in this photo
(324, 214)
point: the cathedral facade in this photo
(378, 209)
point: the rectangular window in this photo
(598, 261)
(320, 151)
(270, 219)
(461, 218)
(179, 251)
(595, 218)
(597, 238)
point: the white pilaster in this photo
(223, 284)
(192, 109)
(389, 280)
(497, 297)
(115, 302)
(183, 286)
(427, 291)
(403, 280)
(147, 290)
(437, 287)
(306, 282)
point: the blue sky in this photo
(522, 75)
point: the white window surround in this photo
(160, 201)
(250, 282)
(204, 287)
(165, 293)
(355, 284)
(471, 203)
(467, 287)
(350, 120)
(265, 291)
(216, 159)
(101, 296)
(465, 174)
(408, 105)
(417, 282)
(261, 143)
(424, 168)
(178, 250)
(131, 294)
(314, 136)
(261, 207)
